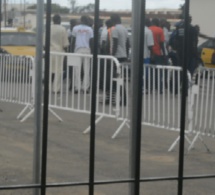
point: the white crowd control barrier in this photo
(70, 89)
(203, 111)
(70, 84)
(15, 78)
(161, 100)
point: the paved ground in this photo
(68, 156)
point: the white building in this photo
(203, 14)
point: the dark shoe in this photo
(76, 91)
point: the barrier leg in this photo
(173, 144)
(32, 111)
(27, 115)
(125, 122)
(176, 141)
(23, 110)
(57, 116)
(194, 141)
(204, 144)
(88, 128)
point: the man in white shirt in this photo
(148, 44)
(82, 42)
(58, 43)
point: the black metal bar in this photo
(21, 186)
(46, 99)
(121, 181)
(183, 101)
(93, 100)
(137, 59)
(0, 19)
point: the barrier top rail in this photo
(117, 63)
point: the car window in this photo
(18, 39)
(208, 44)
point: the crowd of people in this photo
(160, 46)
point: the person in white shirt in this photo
(148, 44)
(58, 43)
(105, 37)
(82, 42)
(164, 24)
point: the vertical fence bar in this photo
(138, 8)
(46, 100)
(183, 101)
(212, 103)
(38, 95)
(93, 100)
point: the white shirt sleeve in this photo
(91, 33)
(103, 35)
(150, 39)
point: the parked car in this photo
(18, 41)
(206, 51)
(16, 45)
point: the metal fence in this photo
(16, 78)
(204, 126)
(161, 91)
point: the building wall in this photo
(203, 14)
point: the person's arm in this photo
(92, 45)
(150, 49)
(150, 42)
(73, 40)
(65, 49)
(163, 48)
(115, 44)
(162, 40)
(103, 47)
(127, 47)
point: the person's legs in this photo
(77, 77)
(158, 60)
(58, 70)
(86, 78)
(86, 70)
(77, 73)
(70, 77)
(123, 98)
(145, 75)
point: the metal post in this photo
(38, 95)
(5, 13)
(0, 19)
(138, 23)
(24, 13)
(93, 100)
(183, 101)
(46, 99)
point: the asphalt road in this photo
(68, 156)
